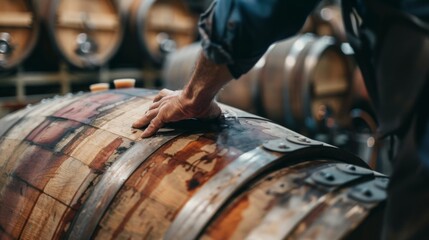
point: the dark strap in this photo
(363, 40)
(374, 39)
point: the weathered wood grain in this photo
(248, 210)
(170, 178)
(52, 149)
(17, 200)
(78, 170)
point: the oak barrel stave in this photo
(191, 160)
(64, 154)
(50, 147)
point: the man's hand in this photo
(195, 101)
(172, 106)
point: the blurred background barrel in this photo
(86, 33)
(303, 83)
(19, 31)
(306, 81)
(162, 26)
(73, 168)
(179, 66)
(244, 93)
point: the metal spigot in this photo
(5, 43)
(85, 45)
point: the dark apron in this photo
(392, 49)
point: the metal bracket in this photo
(369, 192)
(301, 140)
(352, 169)
(382, 183)
(279, 145)
(331, 177)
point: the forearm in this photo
(206, 81)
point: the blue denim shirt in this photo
(238, 32)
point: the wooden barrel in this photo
(306, 81)
(161, 26)
(73, 168)
(243, 93)
(19, 30)
(86, 33)
(179, 66)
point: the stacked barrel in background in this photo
(73, 168)
(162, 27)
(305, 83)
(287, 86)
(299, 82)
(19, 31)
(51, 47)
(88, 34)
(154, 29)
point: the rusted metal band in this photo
(283, 220)
(86, 221)
(280, 221)
(201, 208)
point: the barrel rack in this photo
(61, 82)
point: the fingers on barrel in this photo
(146, 119)
(164, 92)
(153, 127)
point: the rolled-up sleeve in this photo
(238, 32)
